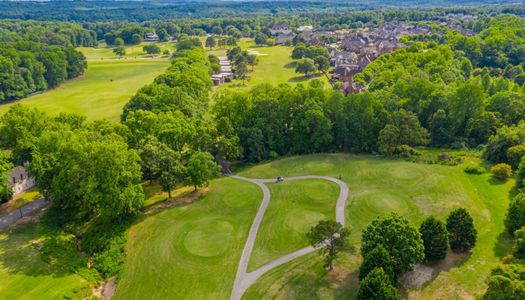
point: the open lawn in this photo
(192, 250)
(106, 86)
(23, 274)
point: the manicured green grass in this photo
(134, 51)
(190, 251)
(275, 66)
(101, 92)
(294, 208)
(379, 186)
(23, 274)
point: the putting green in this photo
(209, 239)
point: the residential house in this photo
(283, 38)
(20, 180)
(349, 87)
(281, 28)
(151, 37)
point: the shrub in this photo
(515, 214)
(435, 239)
(501, 171)
(376, 285)
(462, 234)
(471, 169)
(519, 248)
(6, 194)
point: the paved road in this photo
(23, 211)
(243, 279)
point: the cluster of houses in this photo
(226, 72)
(353, 51)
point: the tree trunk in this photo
(195, 186)
(169, 193)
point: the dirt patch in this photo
(106, 290)
(425, 273)
(417, 277)
(188, 198)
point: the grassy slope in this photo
(294, 207)
(380, 186)
(23, 275)
(102, 91)
(191, 251)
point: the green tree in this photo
(519, 247)
(376, 285)
(252, 60)
(171, 171)
(260, 38)
(201, 168)
(298, 51)
(331, 237)
(210, 42)
(305, 66)
(5, 167)
(515, 218)
(120, 51)
(118, 42)
(402, 241)
(241, 71)
(403, 129)
(460, 227)
(321, 63)
(435, 238)
(136, 39)
(151, 49)
(377, 258)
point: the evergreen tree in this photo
(376, 285)
(435, 239)
(377, 258)
(462, 234)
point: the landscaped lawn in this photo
(275, 66)
(379, 186)
(294, 208)
(192, 251)
(23, 274)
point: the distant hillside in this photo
(90, 11)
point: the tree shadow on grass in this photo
(303, 78)
(290, 65)
(21, 252)
(495, 181)
(503, 245)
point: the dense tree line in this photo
(35, 56)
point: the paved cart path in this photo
(243, 279)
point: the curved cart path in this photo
(243, 279)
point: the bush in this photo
(110, 261)
(515, 214)
(460, 227)
(471, 169)
(501, 171)
(6, 194)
